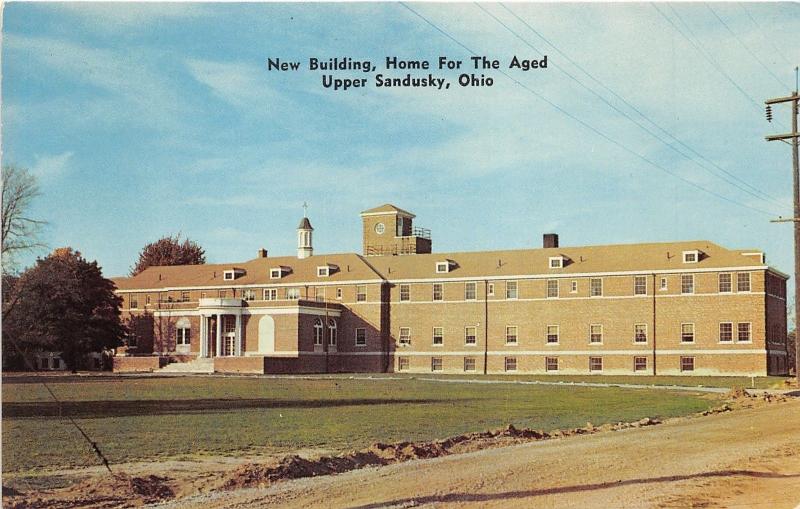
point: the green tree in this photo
(63, 304)
(169, 250)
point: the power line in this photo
(742, 44)
(755, 191)
(778, 51)
(586, 124)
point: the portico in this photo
(220, 327)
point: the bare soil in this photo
(744, 458)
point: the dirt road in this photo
(747, 458)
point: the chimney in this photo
(550, 240)
(262, 253)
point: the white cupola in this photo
(305, 248)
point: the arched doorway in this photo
(266, 335)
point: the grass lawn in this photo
(138, 418)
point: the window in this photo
(595, 364)
(228, 275)
(184, 297)
(551, 363)
(338, 294)
(402, 364)
(469, 363)
(743, 282)
(490, 289)
(322, 271)
(220, 293)
(663, 285)
(270, 294)
(361, 293)
(438, 336)
(332, 332)
(437, 291)
(405, 292)
(511, 335)
(134, 302)
(361, 336)
(687, 333)
(687, 283)
(319, 294)
(725, 332)
(147, 298)
(511, 364)
(596, 333)
(442, 267)
(691, 256)
(640, 285)
(405, 336)
(552, 334)
(743, 330)
(293, 293)
(573, 287)
(249, 294)
(556, 262)
(511, 289)
(470, 291)
(552, 288)
(596, 285)
(640, 333)
(470, 335)
(318, 332)
(725, 283)
(380, 228)
(436, 363)
(640, 363)
(182, 336)
(687, 363)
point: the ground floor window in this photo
(183, 336)
(511, 363)
(744, 332)
(436, 363)
(402, 364)
(595, 364)
(687, 363)
(332, 332)
(361, 337)
(640, 363)
(551, 363)
(469, 363)
(318, 332)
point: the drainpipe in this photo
(654, 325)
(485, 326)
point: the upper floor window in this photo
(556, 262)
(640, 333)
(552, 334)
(405, 336)
(552, 288)
(640, 285)
(744, 332)
(687, 283)
(596, 287)
(470, 335)
(663, 284)
(490, 289)
(405, 292)
(511, 335)
(361, 293)
(184, 297)
(743, 282)
(687, 333)
(511, 289)
(725, 283)
(249, 294)
(438, 291)
(270, 294)
(339, 294)
(574, 287)
(438, 336)
(293, 293)
(442, 267)
(470, 291)
(133, 303)
(595, 333)
(691, 256)
(725, 332)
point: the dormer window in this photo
(279, 272)
(326, 270)
(691, 256)
(556, 262)
(231, 274)
(443, 267)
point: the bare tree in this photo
(20, 231)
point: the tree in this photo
(19, 230)
(64, 304)
(169, 250)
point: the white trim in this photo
(251, 311)
(551, 299)
(389, 213)
(593, 353)
(256, 285)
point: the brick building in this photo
(659, 308)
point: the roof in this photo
(305, 224)
(351, 267)
(388, 208)
(641, 258)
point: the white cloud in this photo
(51, 167)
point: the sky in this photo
(144, 120)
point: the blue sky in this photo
(142, 120)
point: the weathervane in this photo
(305, 209)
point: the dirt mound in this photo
(295, 467)
(737, 393)
(117, 490)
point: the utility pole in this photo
(794, 136)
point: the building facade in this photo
(673, 308)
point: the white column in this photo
(219, 335)
(202, 337)
(239, 334)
